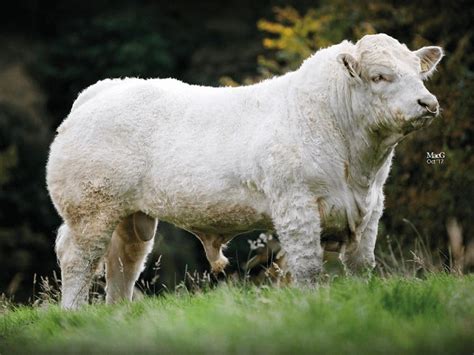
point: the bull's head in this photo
(387, 83)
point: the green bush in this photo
(27, 217)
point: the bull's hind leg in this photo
(79, 249)
(213, 245)
(132, 241)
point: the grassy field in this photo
(390, 316)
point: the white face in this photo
(388, 79)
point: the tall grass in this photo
(346, 315)
(392, 259)
(410, 304)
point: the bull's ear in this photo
(429, 59)
(350, 64)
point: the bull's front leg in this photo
(359, 258)
(296, 220)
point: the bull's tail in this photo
(61, 240)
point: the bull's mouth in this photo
(420, 121)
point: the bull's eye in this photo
(378, 78)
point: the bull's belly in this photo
(234, 219)
(239, 213)
(215, 218)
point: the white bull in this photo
(305, 154)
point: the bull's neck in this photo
(367, 150)
(358, 149)
(368, 155)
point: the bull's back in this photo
(151, 142)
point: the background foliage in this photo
(51, 51)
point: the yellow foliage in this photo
(271, 27)
(228, 81)
(294, 37)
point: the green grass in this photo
(390, 316)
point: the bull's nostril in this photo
(421, 103)
(430, 107)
